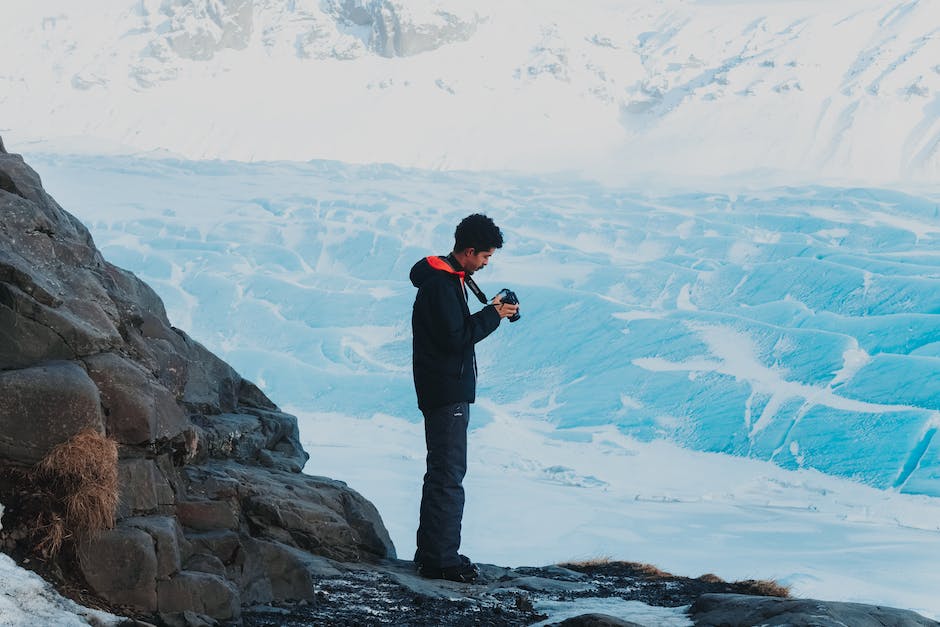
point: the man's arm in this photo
(455, 331)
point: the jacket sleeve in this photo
(454, 331)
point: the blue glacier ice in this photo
(798, 325)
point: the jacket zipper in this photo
(463, 354)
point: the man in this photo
(444, 361)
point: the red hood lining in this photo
(439, 264)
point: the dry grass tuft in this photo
(710, 578)
(650, 571)
(764, 587)
(647, 570)
(761, 587)
(81, 478)
(601, 560)
(50, 529)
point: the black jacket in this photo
(444, 333)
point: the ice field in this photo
(797, 325)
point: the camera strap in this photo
(467, 280)
(470, 283)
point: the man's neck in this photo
(455, 261)
(467, 279)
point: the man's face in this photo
(477, 259)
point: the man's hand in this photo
(504, 310)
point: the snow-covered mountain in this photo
(678, 89)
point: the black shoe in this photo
(465, 572)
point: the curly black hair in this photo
(478, 232)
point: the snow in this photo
(26, 600)
(633, 611)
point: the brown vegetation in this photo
(760, 587)
(79, 482)
(593, 561)
(764, 587)
(710, 578)
(648, 570)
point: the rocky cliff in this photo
(212, 510)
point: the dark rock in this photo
(15, 271)
(222, 544)
(169, 542)
(2, 149)
(257, 436)
(139, 410)
(202, 593)
(169, 471)
(549, 579)
(136, 301)
(25, 183)
(121, 566)
(211, 385)
(7, 184)
(226, 436)
(249, 395)
(49, 272)
(25, 342)
(274, 572)
(72, 329)
(543, 584)
(188, 619)
(208, 515)
(159, 348)
(561, 573)
(44, 406)
(143, 488)
(391, 593)
(204, 563)
(375, 594)
(316, 514)
(283, 439)
(717, 610)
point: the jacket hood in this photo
(425, 268)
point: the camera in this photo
(509, 297)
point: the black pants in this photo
(442, 499)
